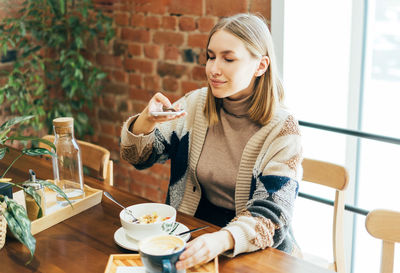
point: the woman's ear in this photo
(262, 66)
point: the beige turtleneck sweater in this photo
(223, 147)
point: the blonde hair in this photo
(268, 90)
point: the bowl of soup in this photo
(153, 219)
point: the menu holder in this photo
(117, 260)
(56, 213)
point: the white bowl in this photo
(139, 231)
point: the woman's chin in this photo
(218, 94)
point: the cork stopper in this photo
(63, 125)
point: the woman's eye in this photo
(229, 60)
(211, 57)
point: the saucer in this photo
(129, 243)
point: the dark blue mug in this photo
(160, 253)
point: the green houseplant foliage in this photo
(52, 75)
(15, 214)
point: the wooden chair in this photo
(334, 177)
(94, 157)
(385, 225)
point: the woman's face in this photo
(230, 68)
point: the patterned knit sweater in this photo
(267, 180)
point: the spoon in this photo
(190, 231)
(109, 196)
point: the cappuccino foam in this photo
(162, 245)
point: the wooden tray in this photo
(116, 260)
(55, 213)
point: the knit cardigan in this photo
(267, 179)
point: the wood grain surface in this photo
(84, 242)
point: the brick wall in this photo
(159, 45)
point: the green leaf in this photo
(19, 224)
(3, 152)
(53, 187)
(32, 192)
(3, 135)
(14, 121)
(32, 138)
(37, 151)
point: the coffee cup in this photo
(161, 252)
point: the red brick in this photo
(135, 80)
(121, 5)
(135, 49)
(135, 35)
(172, 96)
(225, 7)
(140, 95)
(121, 182)
(109, 102)
(152, 83)
(152, 51)
(152, 22)
(187, 24)
(144, 178)
(170, 84)
(198, 73)
(187, 86)
(169, 38)
(136, 188)
(150, 6)
(205, 24)
(171, 53)
(138, 65)
(197, 40)
(261, 6)
(116, 88)
(163, 170)
(120, 76)
(108, 60)
(187, 7)
(164, 187)
(108, 128)
(169, 22)
(108, 142)
(121, 18)
(138, 20)
(137, 106)
(167, 69)
(152, 194)
(202, 60)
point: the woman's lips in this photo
(217, 83)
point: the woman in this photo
(235, 153)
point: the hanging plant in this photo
(52, 75)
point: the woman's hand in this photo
(205, 248)
(146, 122)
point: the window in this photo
(341, 67)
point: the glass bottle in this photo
(32, 208)
(67, 166)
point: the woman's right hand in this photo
(146, 122)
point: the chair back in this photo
(385, 225)
(335, 177)
(93, 156)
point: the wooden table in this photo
(84, 242)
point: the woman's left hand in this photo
(205, 248)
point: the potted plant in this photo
(53, 71)
(10, 211)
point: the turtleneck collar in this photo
(237, 108)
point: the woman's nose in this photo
(215, 68)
